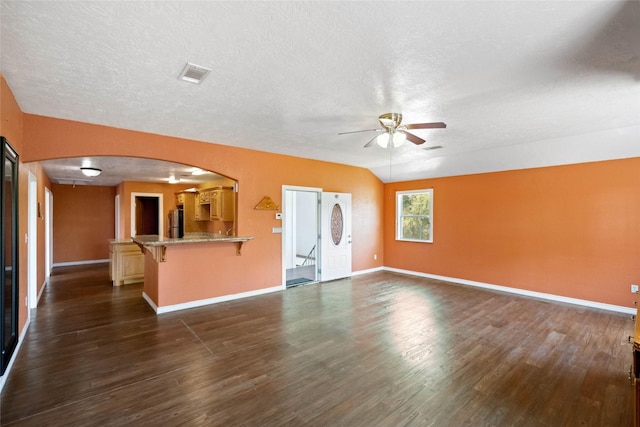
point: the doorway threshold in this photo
(299, 281)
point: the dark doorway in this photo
(147, 215)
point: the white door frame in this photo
(160, 211)
(32, 243)
(117, 219)
(286, 233)
(48, 233)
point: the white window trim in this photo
(399, 195)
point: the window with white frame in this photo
(414, 215)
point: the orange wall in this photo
(11, 116)
(83, 222)
(567, 230)
(11, 125)
(258, 174)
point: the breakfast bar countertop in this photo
(155, 240)
(157, 245)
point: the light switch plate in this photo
(279, 215)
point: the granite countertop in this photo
(120, 241)
(155, 240)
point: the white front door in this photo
(336, 236)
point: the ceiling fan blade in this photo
(357, 131)
(436, 125)
(411, 137)
(368, 144)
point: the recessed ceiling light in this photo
(193, 73)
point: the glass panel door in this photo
(9, 255)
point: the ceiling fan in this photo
(396, 133)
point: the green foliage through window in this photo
(414, 215)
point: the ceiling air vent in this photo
(73, 181)
(193, 73)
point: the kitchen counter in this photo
(157, 244)
(198, 269)
(120, 242)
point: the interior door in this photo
(335, 218)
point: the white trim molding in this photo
(367, 271)
(149, 301)
(208, 301)
(524, 292)
(44, 285)
(70, 263)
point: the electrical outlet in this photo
(634, 289)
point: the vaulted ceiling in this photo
(518, 83)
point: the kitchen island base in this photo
(194, 272)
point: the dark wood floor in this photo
(381, 349)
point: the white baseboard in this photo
(367, 271)
(149, 301)
(70, 263)
(208, 301)
(44, 285)
(524, 292)
(3, 378)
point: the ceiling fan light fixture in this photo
(395, 139)
(398, 139)
(89, 171)
(383, 140)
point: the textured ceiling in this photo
(118, 169)
(519, 83)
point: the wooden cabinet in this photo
(222, 202)
(204, 196)
(191, 208)
(216, 204)
(126, 263)
(197, 214)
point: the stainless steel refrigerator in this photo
(176, 223)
